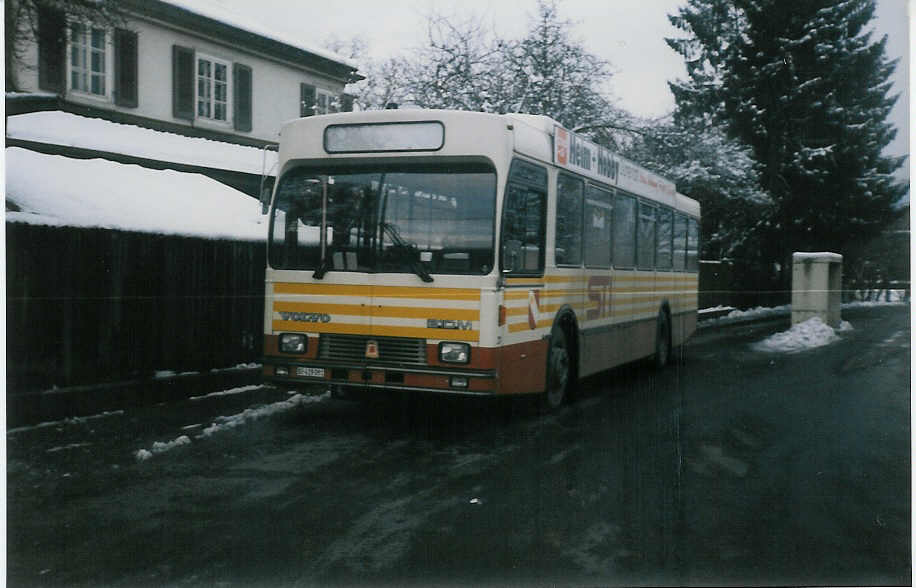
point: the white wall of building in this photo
(275, 84)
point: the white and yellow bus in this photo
(469, 253)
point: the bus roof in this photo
(536, 136)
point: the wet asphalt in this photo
(731, 466)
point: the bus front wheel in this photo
(558, 370)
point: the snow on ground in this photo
(60, 191)
(67, 447)
(886, 298)
(737, 316)
(66, 421)
(160, 447)
(170, 374)
(224, 423)
(808, 334)
(230, 392)
(238, 367)
(63, 128)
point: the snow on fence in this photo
(88, 305)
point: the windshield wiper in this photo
(407, 251)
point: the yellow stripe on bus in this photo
(411, 292)
(379, 311)
(377, 330)
(565, 279)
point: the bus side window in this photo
(568, 229)
(664, 233)
(598, 209)
(680, 242)
(645, 242)
(624, 231)
(693, 245)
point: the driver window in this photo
(523, 220)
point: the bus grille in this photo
(395, 350)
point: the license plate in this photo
(310, 372)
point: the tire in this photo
(558, 371)
(662, 340)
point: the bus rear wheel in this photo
(558, 370)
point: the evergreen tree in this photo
(803, 84)
(717, 171)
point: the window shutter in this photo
(182, 82)
(125, 70)
(52, 47)
(346, 103)
(242, 90)
(306, 100)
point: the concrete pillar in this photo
(817, 282)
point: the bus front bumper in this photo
(380, 377)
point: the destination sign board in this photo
(578, 154)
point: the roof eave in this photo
(176, 15)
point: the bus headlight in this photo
(293, 343)
(454, 352)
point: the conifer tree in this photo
(805, 86)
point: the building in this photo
(183, 67)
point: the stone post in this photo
(817, 282)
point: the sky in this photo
(628, 33)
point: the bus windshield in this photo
(404, 219)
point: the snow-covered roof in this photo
(61, 191)
(62, 128)
(219, 12)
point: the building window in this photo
(212, 89)
(89, 60)
(314, 101)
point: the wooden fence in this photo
(86, 306)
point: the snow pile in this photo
(223, 423)
(737, 316)
(160, 447)
(60, 191)
(809, 334)
(72, 130)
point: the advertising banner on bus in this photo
(580, 155)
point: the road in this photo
(734, 467)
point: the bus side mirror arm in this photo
(265, 198)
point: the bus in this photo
(469, 253)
